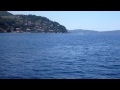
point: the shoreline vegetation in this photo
(10, 23)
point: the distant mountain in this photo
(81, 31)
(112, 32)
(5, 13)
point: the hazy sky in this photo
(90, 20)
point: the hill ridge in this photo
(28, 23)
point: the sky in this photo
(88, 20)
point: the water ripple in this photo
(66, 56)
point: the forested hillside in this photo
(28, 23)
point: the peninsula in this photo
(28, 23)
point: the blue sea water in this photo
(59, 56)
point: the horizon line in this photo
(93, 30)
